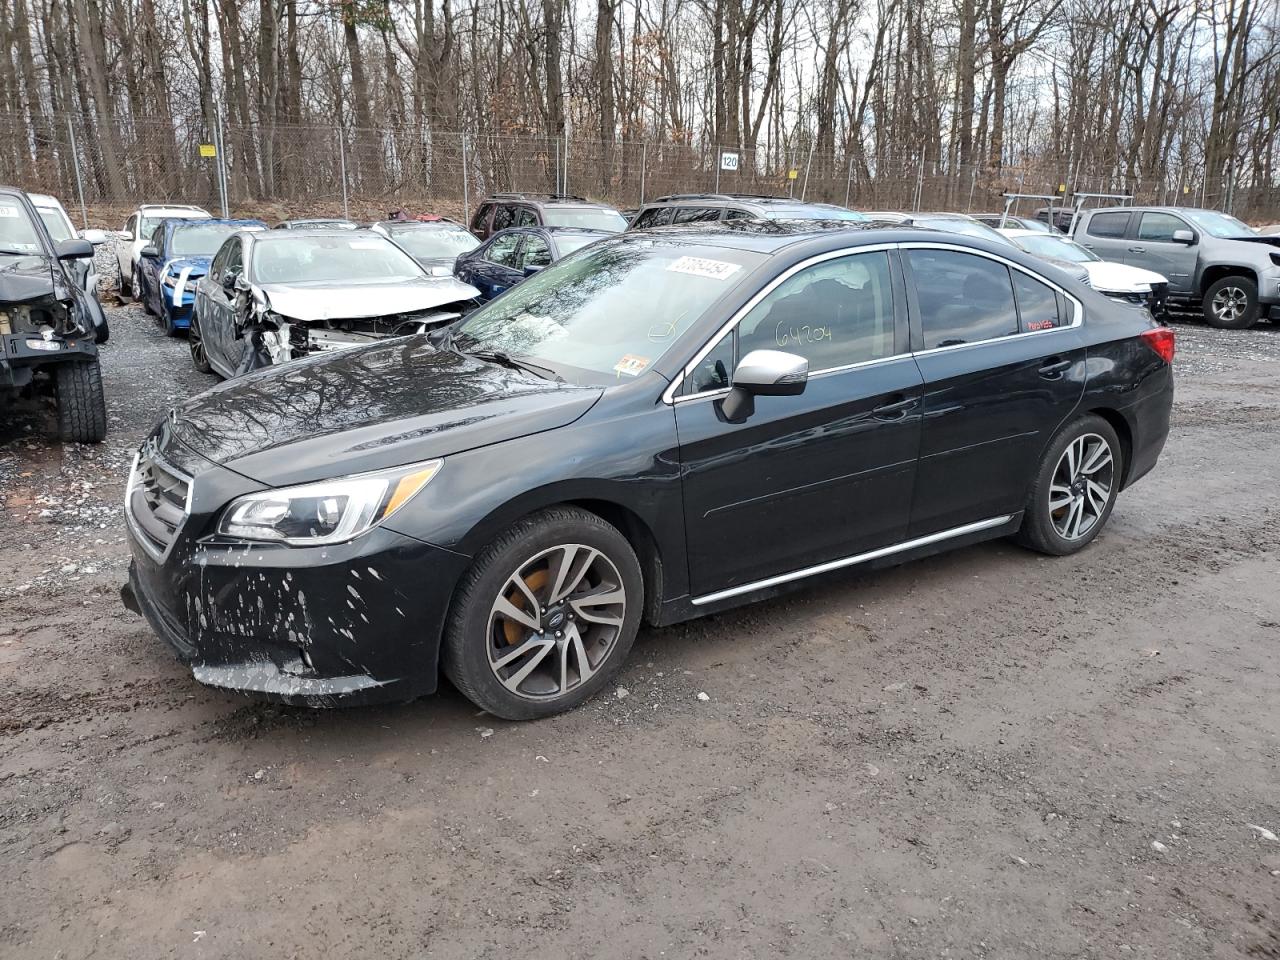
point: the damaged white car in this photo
(274, 296)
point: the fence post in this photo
(644, 157)
(342, 170)
(715, 159)
(807, 164)
(848, 182)
(75, 163)
(220, 148)
(919, 185)
(466, 195)
(556, 189)
(565, 191)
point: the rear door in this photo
(1105, 233)
(1003, 365)
(1153, 248)
(480, 222)
(817, 477)
(495, 271)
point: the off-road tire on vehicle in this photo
(1043, 523)
(82, 409)
(471, 639)
(1231, 303)
(195, 341)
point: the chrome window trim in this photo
(858, 558)
(1077, 312)
(668, 395)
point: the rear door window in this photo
(1037, 303)
(653, 217)
(503, 217)
(526, 217)
(503, 250)
(481, 216)
(697, 215)
(1111, 225)
(963, 298)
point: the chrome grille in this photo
(156, 501)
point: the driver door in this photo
(216, 308)
(1153, 248)
(812, 478)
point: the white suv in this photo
(60, 227)
(137, 231)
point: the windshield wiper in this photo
(502, 358)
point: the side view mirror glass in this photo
(531, 269)
(149, 252)
(763, 373)
(1184, 236)
(94, 236)
(73, 249)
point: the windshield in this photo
(569, 242)
(609, 312)
(584, 217)
(299, 258)
(435, 242)
(1057, 247)
(966, 228)
(147, 225)
(1219, 225)
(815, 213)
(17, 232)
(201, 240)
(56, 223)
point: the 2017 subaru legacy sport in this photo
(664, 424)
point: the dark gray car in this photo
(1212, 260)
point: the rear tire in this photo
(575, 640)
(124, 289)
(195, 341)
(1074, 490)
(1231, 303)
(82, 408)
(140, 292)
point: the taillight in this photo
(1160, 339)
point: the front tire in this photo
(82, 408)
(545, 616)
(1074, 490)
(124, 289)
(1231, 303)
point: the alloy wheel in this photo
(555, 621)
(196, 341)
(1229, 304)
(1081, 486)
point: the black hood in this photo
(388, 404)
(24, 277)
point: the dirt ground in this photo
(985, 754)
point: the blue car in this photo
(177, 255)
(509, 256)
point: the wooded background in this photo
(879, 103)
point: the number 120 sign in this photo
(728, 161)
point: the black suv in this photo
(503, 210)
(48, 322)
(684, 208)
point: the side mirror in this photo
(763, 373)
(149, 252)
(73, 249)
(1184, 236)
(94, 236)
(531, 269)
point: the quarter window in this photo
(1037, 303)
(833, 313)
(963, 298)
(714, 371)
(1159, 227)
(1112, 225)
(526, 218)
(481, 215)
(503, 250)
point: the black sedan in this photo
(662, 426)
(510, 256)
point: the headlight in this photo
(331, 511)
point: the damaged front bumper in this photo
(350, 623)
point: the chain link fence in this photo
(103, 169)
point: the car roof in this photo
(559, 199)
(275, 236)
(44, 200)
(152, 207)
(429, 224)
(771, 236)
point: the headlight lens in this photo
(331, 511)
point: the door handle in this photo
(895, 409)
(1137, 249)
(1054, 367)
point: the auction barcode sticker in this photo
(702, 267)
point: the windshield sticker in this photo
(631, 365)
(11, 212)
(702, 267)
